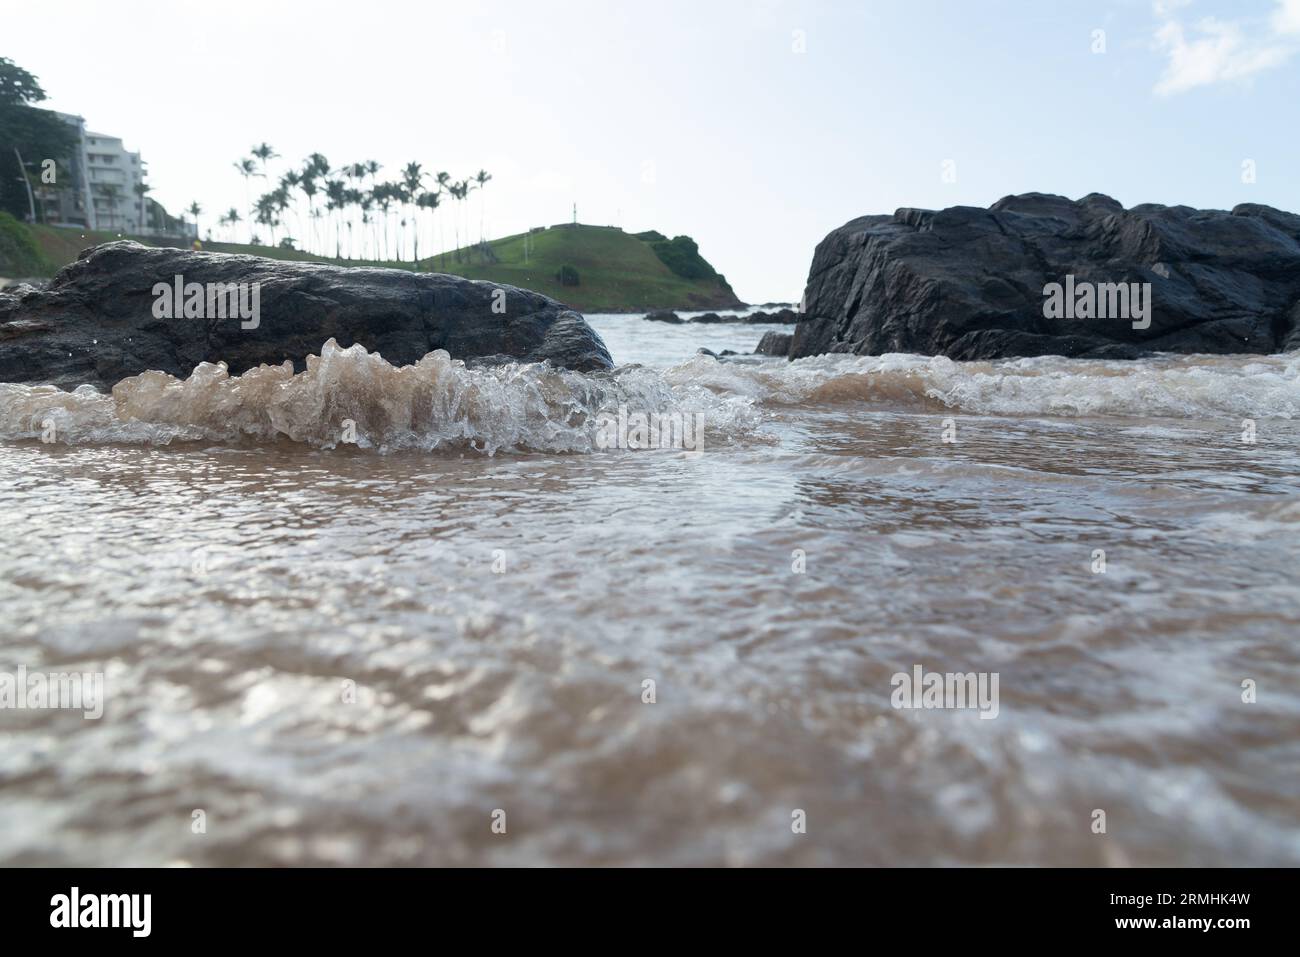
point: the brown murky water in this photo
(359, 655)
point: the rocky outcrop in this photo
(99, 320)
(774, 344)
(780, 317)
(757, 318)
(1039, 274)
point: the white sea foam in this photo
(440, 404)
(437, 403)
(1167, 386)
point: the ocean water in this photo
(479, 635)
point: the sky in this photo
(754, 126)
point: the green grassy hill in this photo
(616, 271)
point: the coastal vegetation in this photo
(349, 212)
(615, 271)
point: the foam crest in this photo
(436, 404)
(1164, 386)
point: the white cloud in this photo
(1219, 51)
(1286, 18)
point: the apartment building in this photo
(105, 189)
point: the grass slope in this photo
(617, 271)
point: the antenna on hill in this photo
(575, 214)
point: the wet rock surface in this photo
(968, 282)
(97, 322)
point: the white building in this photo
(106, 192)
(116, 176)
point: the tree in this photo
(336, 199)
(247, 169)
(194, 211)
(352, 197)
(28, 135)
(231, 219)
(444, 185)
(140, 190)
(307, 183)
(264, 154)
(481, 179)
(267, 213)
(110, 191)
(412, 186)
(429, 200)
(284, 194)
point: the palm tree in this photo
(110, 191)
(247, 169)
(336, 198)
(140, 190)
(367, 202)
(443, 180)
(307, 183)
(194, 211)
(412, 186)
(460, 192)
(481, 179)
(372, 169)
(352, 197)
(232, 219)
(281, 199)
(266, 213)
(384, 196)
(430, 201)
(265, 154)
(289, 181)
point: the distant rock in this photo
(969, 283)
(784, 316)
(774, 344)
(96, 322)
(13, 284)
(781, 316)
(665, 315)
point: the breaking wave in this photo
(441, 404)
(1198, 386)
(437, 403)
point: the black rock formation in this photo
(972, 283)
(774, 344)
(98, 321)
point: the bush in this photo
(567, 276)
(651, 236)
(682, 256)
(20, 257)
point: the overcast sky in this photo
(697, 116)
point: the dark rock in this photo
(781, 316)
(969, 283)
(12, 284)
(95, 323)
(784, 316)
(664, 315)
(774, 344)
